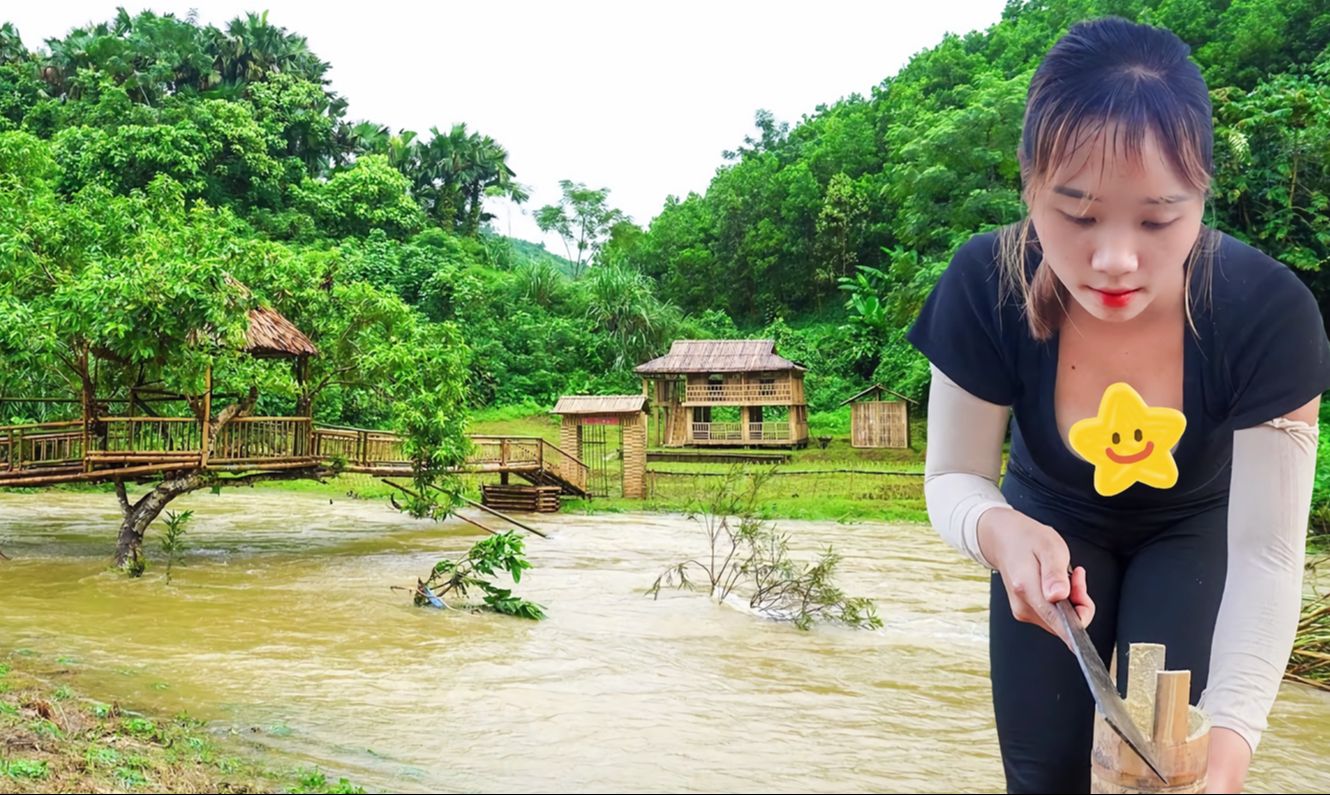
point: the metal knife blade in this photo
(1103, 689)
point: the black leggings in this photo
(1163, 588)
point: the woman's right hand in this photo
(1034, 562)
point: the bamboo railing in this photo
(124, 440)
(358, 448)
(740, 394)
(255, 440)
(42, 446)
(115, 446)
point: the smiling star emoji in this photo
(1129, 441)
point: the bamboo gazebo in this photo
(731, 393)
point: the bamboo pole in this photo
(407, 491)
(468, 520)
(488, 509)
(163, 458)
(265, 466)
(206, 442)
(88, 412)
(108, 474)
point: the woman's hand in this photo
(1229, 758)
(1034, 562)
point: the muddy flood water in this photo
(281, 623)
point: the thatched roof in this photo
(875, 388)
(270, 334)
(599, 404)
(718, 356)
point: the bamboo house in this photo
(726, 393)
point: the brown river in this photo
(281, 624)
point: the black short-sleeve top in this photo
(1260, 350)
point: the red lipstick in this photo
(1116, 299)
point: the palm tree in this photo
(11, 45)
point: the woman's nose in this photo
(1113, 259)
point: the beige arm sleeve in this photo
(1270, 496)
(962, 463)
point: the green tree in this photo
(369, 195)
(840, 230)
(113, 292)
(1273, 166)
(583, 218)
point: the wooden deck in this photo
(128, 447)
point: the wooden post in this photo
(206, 441)
(1179, 733)
(906, 411)
(634, 429)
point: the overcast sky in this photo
(637, 97)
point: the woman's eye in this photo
(1079, 220)
(1156, 224)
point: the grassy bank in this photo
(52, 739)
(838, 482)
(833, 483)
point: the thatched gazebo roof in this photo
(718, 356)
(599, 404)
(270, 334)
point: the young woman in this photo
(1179, 497)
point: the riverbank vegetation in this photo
(53, 739)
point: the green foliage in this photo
(370, 195)
(623, 305)
(1320, 508)
(314, 780)
(173, 541)
(142, 728)
(749, 557)
(1273, 181)
(503, 552)
(23, 768)
(583, 218)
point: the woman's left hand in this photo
(1230, 756)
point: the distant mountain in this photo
(526, 251)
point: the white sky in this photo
(637, 97)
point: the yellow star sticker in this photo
(1129, 441)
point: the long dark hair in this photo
(1113, 75)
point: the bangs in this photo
(1119, 116)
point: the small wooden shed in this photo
(582, 432)
(879, 417)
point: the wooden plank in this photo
(1171, 701)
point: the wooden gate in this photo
(601, 450)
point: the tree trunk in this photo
(129, 549)
(137, 517)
